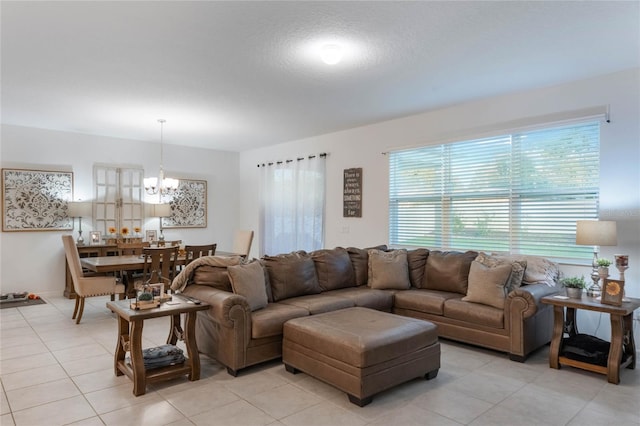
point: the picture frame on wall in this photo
(612, 292)
(151, 235)
(36, 200)
(95, 237)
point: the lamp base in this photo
(80, 240)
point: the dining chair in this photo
(194, 252)
(87, 286)
(242, 242)
(132, 248)
(160, 260)
(130, 277)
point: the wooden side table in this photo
(622, 345)
(130, 324)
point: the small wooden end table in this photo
(622, 341)
(130, 324)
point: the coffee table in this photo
(622, 341)
(130, 325)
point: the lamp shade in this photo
(159, 210)
(596, 233)
(79, 209)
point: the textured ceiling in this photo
(240, 75)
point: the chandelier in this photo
(161, 184)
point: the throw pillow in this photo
(360, 261)
(518, 268)
(388, 270)
(334, 268)
(248, 280)
(487, 284)
(539, 269)
(291, 275)
(448, 271)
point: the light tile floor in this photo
(54, 372)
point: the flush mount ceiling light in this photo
(331, 54)
(161, 184)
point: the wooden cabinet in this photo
(86, 251)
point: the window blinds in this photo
(521, 192)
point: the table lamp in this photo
(596, 233)
(160, 211)
(79, 209)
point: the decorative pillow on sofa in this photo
(417, 259)
(388, 269)
(448, 271)
(360, 261)
(487, 284)
(333, 268)
(518, 268)
(291, 275)
(248, 280)
(539, 270)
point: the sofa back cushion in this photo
(539, 270)
(333, 268)
(417, 260)
(291, 275)
(448, 271)
(213, 272)
(360, 261)
(388, 270)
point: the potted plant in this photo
(603, 267)
(574, 286)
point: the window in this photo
(520, 192)
(119, 198)
(293, 199)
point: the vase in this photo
(603, 271)
(574, 293)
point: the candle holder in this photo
(622, 263)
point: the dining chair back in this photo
(194, 252)
(132, 248)
(87, 286)
(160, 260)
(242, 242)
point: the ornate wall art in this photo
(36, 200)
(188, 205)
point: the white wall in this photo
(363, 147)
(34, 261)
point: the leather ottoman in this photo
(361, 351)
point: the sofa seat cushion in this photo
(365, 297)
(270, 320)
(474, 313)
(319, 303)
(427, 301)
(334, 268)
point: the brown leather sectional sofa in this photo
(243, 329)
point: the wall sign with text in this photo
(352, 193)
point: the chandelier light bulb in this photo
(331, 54)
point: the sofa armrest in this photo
(527, 320)
(528, 297)
(226, 308)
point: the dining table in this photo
(132, 262)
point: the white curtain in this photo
(293, 200)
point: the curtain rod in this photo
(271, 163)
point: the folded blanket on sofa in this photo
(182, 279)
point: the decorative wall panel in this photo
(188, 205)
(36, 200)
